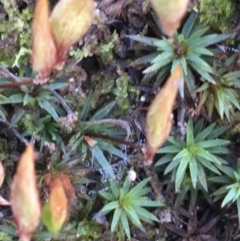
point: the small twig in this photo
(15, 132)
(60, 99)
(5, 72)
(155, 182)
(120, 141)
(122, 123)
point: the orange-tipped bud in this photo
(159, 116)
(170, 13)
(43, 45)
(25, 202)
(55, 212)
(70, 20)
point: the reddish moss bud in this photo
(170, 13)
(70, 20)
(25, 202)
(43, 46)
(159, 120)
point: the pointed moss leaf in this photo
(142, 39)
(182, 154)
(221, 191)
(229, 197)
(109, 207)
(143, 202)
(101, 159)
(172, 165)
(116, 217)
(188, 26)
(220, 105)
(86, 108)
(219, 150)
(169, 149)
(107, 196)
(201, 51)
(132, 214)
(202, 71)
(199, 62)
(220, 179)
(232, 75)
(198, 127)
(203, 87)
(165, 159)
(115, 189)
(103, 112)
(145, 59)
(237, 195)
(16, 98)
(197, 34)
(202, 176)
(48, 107)
(144, 213)
(163, 57)
(202, 135)
(190, 137)
(204, 98)
(27, 98)
(193, 170)
(111, 149)
(212, 143)
(208, 156)
(184, 65)
(158, 64)
(4, 100)
(173, 141)
(178, 183)
(232, 97)
(144, 191)
(163, 45)
(9, 230)
(125, 224)
(210, 39)
(181, 170)
(126, 185)
(238, 209)
(138, 187)
(58, 84)
(208, 165)
(189, 79)
(16, 117)
(2, 115)
(162, 75)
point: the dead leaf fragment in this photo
(170, 13)
(91, 142)
(158, 122)
(24, 197)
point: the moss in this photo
(217, 14)
(16, 37)
(106, 50)
(103, 87)
(122, 91)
